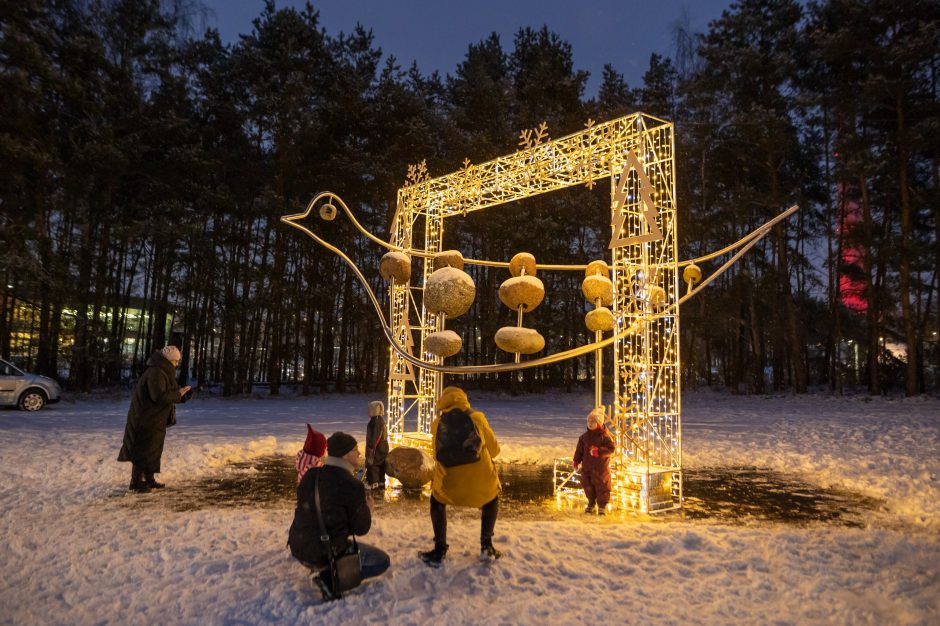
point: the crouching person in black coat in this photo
(346, 511)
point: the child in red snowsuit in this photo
(593, 451)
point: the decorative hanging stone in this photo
(395, 265)
(443, 343)
(656, 296)
(412, 467)
(522, 261)
(692, 274)
(448, 258)
(328, 212)
(600, 319)
(521, 340)
(596, 286)
(449, 291)
(597, 268)
(526, 291)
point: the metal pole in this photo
(598, 372)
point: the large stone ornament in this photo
(521, 340)
(597, 268)
(522, 263)
(448, 258)
(656, 297)
(443, 343)
(449, 291)
(692, 274)
(526, 291)
(410, 466)
(600, 319)
(395, 265)
(597, 286)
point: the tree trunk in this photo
(912, 376)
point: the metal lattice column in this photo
(646, 374)
(430, 381)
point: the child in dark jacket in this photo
(376, 446)
(593, 456)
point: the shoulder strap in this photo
(379, 439)
(324, 536)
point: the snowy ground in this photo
(77, 549)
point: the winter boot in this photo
(321, 580)
(433, 558)
(488, 552)
(138, 483)
(152, 482)
(589, 508)
(601, 510)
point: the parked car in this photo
(30, 392)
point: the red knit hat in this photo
(315, 443)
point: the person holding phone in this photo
(152, 411)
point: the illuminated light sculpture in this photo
(637, 154)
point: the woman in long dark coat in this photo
(376, 446)
(153, 409)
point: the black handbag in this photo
(345, 568)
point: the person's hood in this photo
(158, 360)
(453, 398)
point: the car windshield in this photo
(7, 369)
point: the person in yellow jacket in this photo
(472, 484)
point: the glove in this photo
(594, 452)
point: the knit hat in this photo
(315, 443)
(376, 408)
(596, 416)
(171, 353)
(340, 444)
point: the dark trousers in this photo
(376, 473)
(374, 560)
(596, 488)
(139, 476)
(487, 521)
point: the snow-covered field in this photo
(76, 549)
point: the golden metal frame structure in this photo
(636, 152)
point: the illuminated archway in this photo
(637, 154)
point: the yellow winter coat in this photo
(473, 484)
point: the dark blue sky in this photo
(436, 33)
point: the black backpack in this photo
(458, 442)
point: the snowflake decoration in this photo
(529, 138)
(417, 173)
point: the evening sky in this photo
(436, 34)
